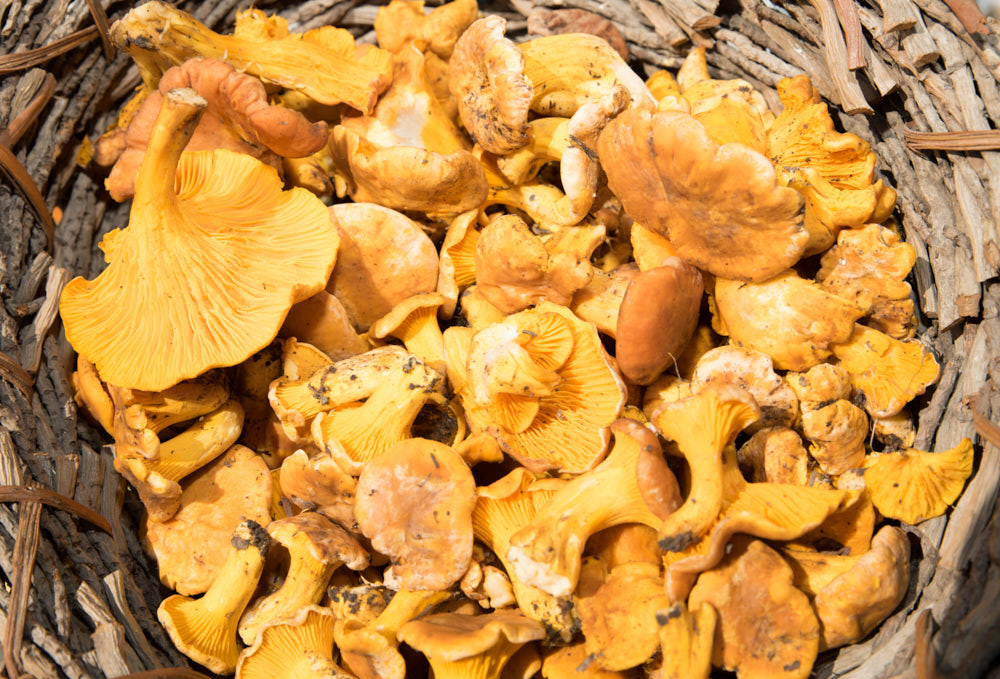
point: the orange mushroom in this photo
(208, 267)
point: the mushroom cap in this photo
(766, 627)
(515, 270)
(789, 318)
(384, 258)
(599, 301)
(457, 268)
(415, 504)
(320, 539)
(775, 455)
(888, 372)
(300, 645)
(915, 485)
(214, 256)
(322, 321)
(754, 372)
(721, 206)
(686, 640)
(190, 547)
(404, 21)
(486, 77)
(452, 636)
(618, 617)
(853, 603)
(657, 317)
(239, 118)
(319, 483)
(575, 661)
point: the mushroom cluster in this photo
(501, 352)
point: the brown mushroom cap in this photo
(486, 76)
(384, 258)
(656, 319)
(415, 504)
(189, 548)
(721, 206)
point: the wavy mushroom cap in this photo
(415, 504)
(297, 647)
(791, 319)
(214, 256)
(486, 76)
(404, 21)
(190, 547)
(239, 118)
(384, 258)
(686, 640)
(722, 207)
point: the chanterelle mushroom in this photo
(238, 118)
(721, 206)
(415, 504)
(158, 36)
(469, 645)
(214, 256)
(299, 646)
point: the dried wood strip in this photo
(662, 23)
(19, 61)
(920, 107)
(690, 14)
(871, 23)
(808, 19)
(744, 66)
(885, 79)
(101, 21)
(60, 609)
(67, 467)
(847, 13)
(655, 57)
(114, 656)
(898, 15)
(31, 280)
(710, 6)
(766, 59)
(17, 174)
(59, 652)
(919, 45)
(46, 316)
(974, 508)
(53, 499)
(805, 57)
(986, 84)
(952, 141)
(971, 199)
(10, 467)
(25, 549)
(922, 273)
(39, 98)
(957, 422)
(852, 99)
(969, 14)
(114, 582)
(940, 12)
(18, 376)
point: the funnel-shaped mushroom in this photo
(547, 386)
(91, 393)
(238, 118)
(833, 171)
(214, 256)
(322, 321)
(915, 485)
(632, 485)
(317, 547)
(415, 504)
(369, 647)
(721, 206)
(754, 372)
(189, 547)
(205, 629)
(158, 36)
(457, 266)
(299, 646)
(870, 265)
(887, 371)
(469, 645)
(791, 319)
(414, 321)
(766, 627)
(319, 483)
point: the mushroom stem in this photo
(201, 443)
(547, 552)
(181, 110)
(205, 629)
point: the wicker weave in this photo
(87, 607)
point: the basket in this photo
(79, 595)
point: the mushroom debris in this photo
(439, 399)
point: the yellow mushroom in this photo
(469, 645)
(887, 371)
(317, 547)
(205, 629)
(457, 260)
(914, 485)
(632, 485)
(414, 321)
(298, 646)
(503, 508)
(686, 640)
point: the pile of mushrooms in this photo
(500, 352)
